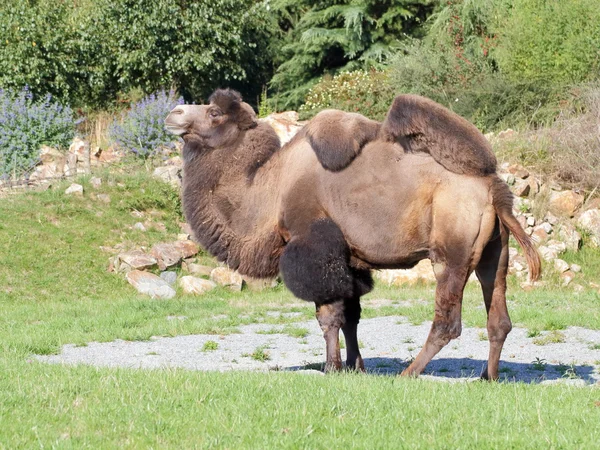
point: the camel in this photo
(348, 195)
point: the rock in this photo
(183, 237)
(531, 221)
(170, 277)
(285, 124)
(75, 189)
(576, 268)
(224, 276)
(423, 272)
(528, 285)
(195, 286)
(109, 155)
(139, 226)
(565, 203)
(569, 235)
(174, 161)
(167, 255)
(561, 265)
(534, 185)
(150, 284)
(137, 260)
(260, 284)
(557, 246)
(547, 253)
(169, 174)
(508, 178)
(590, 221)
(551, 218)
(186, 248)
(96, 182)
(199, 269)
(104, 198)
(539, 234)
(567, 277)
(521, 188)
(577, 288)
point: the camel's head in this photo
(215, 125)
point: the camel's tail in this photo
(503, 203)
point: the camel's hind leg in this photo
(352, 310)
(447, 321)
(491, 271)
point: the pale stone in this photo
(575, 268)
(577, 288)
(139, 226)
(150, 284)
(74, 189)
(186, 248)
(521, 188)
(167, 255)
(104, 198)
(137, 259)
(285, 124)
(169, 174)
(534, 185)
(547, 253)
(506, 134)
(551, 218)
(557, 246)
(561, 265)
(170, 277)
(183, 237)
(224, 276)
(531, 221)
(565, 203)
(590, 221)
(539, 235)
(508, 178)
(422, 272)
(195, 286)
(567, 277)
(96, 182)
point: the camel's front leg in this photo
(331, 319)
(352, 310)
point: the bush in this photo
(26, 125)
(368, 93)
(549, 41)
(141, 130)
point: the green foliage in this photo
(194, 46)
(368, 93)
(549, 41)
(326, 37)
(88, 53)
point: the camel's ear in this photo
(338, 137)
(230, 102)
(422, 125)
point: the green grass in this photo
(210, 346)
(55, 289)
(82, 407)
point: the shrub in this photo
(26, 125)
(549, 41)
(141, 130)
(368, 93)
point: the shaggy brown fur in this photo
(262, 209)
(422, 125)
(337, 137)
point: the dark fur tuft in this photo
(230, 102)
(422, 125)
(338, 137)
(316, 267)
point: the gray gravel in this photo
(387, 344)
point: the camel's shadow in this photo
(455, 368)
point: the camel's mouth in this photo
(176, 129)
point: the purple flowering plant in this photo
(141, 129)
(25, 125)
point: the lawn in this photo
(55, 289)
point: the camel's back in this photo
(386, 202)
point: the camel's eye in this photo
(214, 113)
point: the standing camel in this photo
(347, 195)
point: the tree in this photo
(328, 36)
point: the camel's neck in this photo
(230, 201)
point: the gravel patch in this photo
(387, 346)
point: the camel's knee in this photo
(331, 316)
(443, 331)
(499, 329)
(316, 267)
